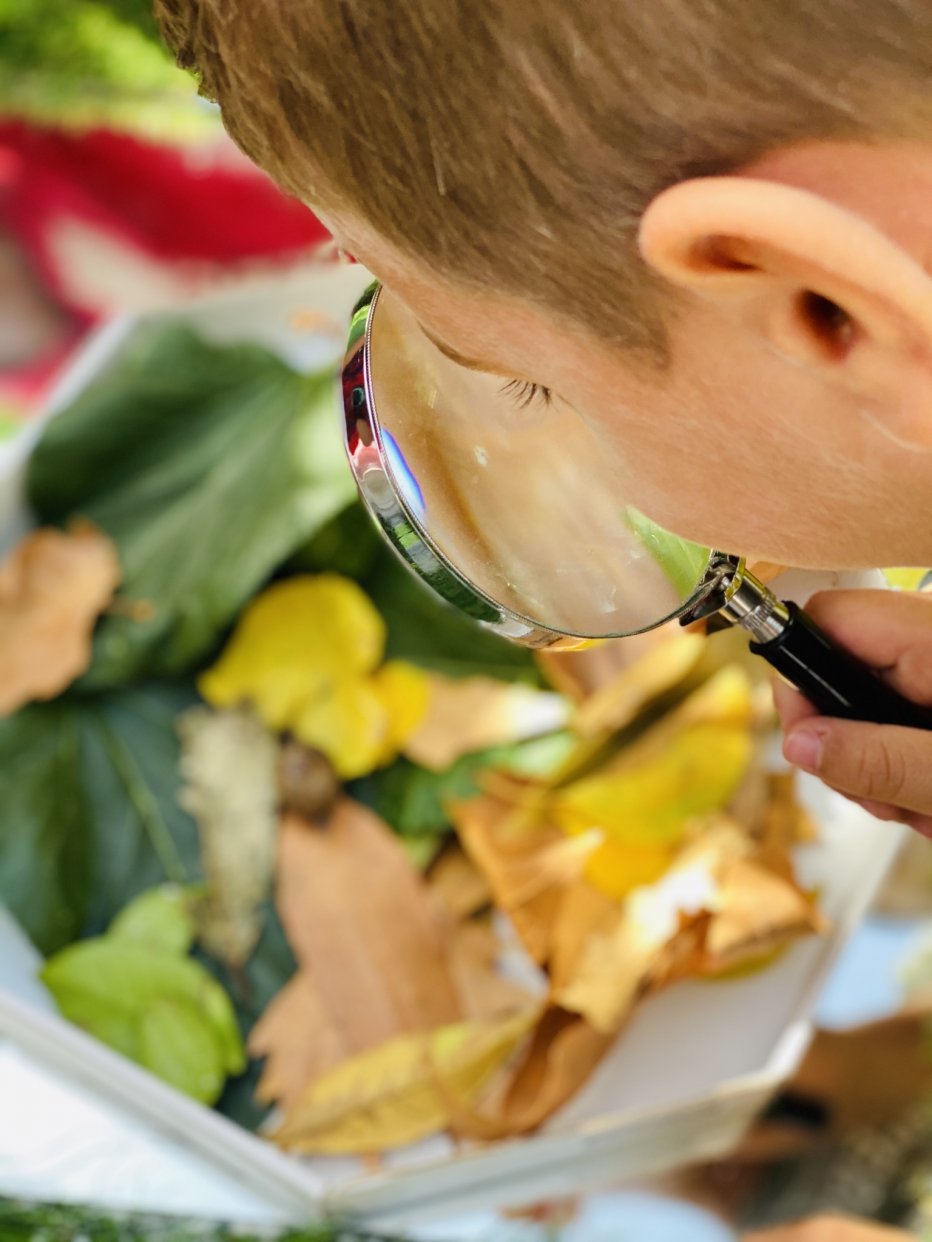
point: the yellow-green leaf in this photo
(403, 1090)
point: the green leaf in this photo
(683, 562)
(88, 810)
(27, 1221)
(133, 995)
(411, 799)
(424, 630)
(160, 918)
(46, 848)
(208, 467)
(179, 1046)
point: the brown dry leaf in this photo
(785, 822)
(53, 587)
(358, 916)
(560, 1056)
(228, 763)
(756, 911)
(299, 1041)
(475, 713)
(583, 910)
(658, 671)
(458, 884)
(483, 991)
(528, 870)
(403, 1090)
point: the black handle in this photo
(833, 681)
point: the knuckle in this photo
(883, 768)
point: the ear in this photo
(826, 288)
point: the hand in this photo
(830, 1229)
(888, 770)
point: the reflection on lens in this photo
(520, 500)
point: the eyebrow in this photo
(471, 364)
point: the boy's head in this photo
(697, 221)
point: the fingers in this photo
(877, 763)
(790, 704)
(890, 630)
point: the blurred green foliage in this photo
(83, 63)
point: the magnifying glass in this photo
(507, 508)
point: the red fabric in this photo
(173, 205)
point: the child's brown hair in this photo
(514, 144)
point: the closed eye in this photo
(524, 393)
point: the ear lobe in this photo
(825, 287)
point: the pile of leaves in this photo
(307, 844)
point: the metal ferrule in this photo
(754, 607)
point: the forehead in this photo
(508, 335)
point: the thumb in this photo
(878, 763)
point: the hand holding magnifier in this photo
(513, 517)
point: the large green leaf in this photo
(45, 838)
(88, 813)
(209, 467)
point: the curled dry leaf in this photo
(358, 917)
(228, 763)
(662, 668)
(53, 587)
(476, 713)
(757, 911)
(528, 869)
(556, 1061)
(402, 1091)
(483, 990)
(582, 673)
(615, 963)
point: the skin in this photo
(794, 424)
(830, 1229)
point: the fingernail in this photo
(804, 747)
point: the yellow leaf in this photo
(615, 868)
(403, 1090)
(404, 691)
(349, 723)
(303, 654)
(649, 806)
(294, 641)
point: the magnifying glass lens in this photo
(515, 493)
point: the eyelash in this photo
(524, 393)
